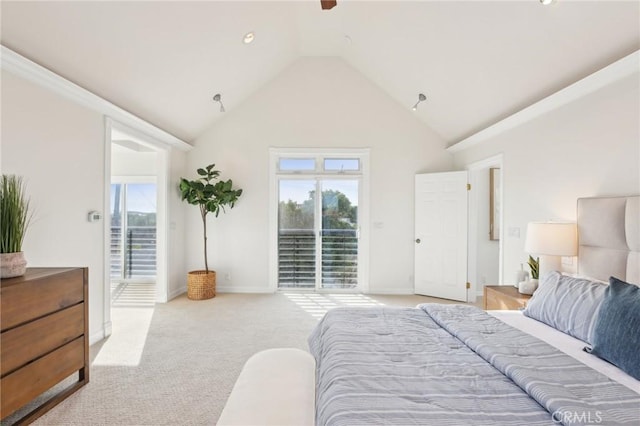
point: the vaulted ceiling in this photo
(477, 61)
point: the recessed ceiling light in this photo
(248, 37)
(546, 2)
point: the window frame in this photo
(275, 174)
(319, 157)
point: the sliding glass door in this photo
(318, 233)
(297, 234)
(339, 234)
(133, 232)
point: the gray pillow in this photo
(616, 336)
(567, 304)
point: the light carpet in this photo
(176, 363)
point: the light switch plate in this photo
(514, 232)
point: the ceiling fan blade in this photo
(328, 4)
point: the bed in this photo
(456, 364)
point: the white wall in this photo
(177, 270)
(316, 103)
(57, 146)
(126, 162)
(590, 147)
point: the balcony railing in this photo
(297, 258)
(139, 259)
(339, 258)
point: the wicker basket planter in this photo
(201, 285)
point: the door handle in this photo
(417, 240)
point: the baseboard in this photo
(391, 290)
(223, 289)
(177, 292)
(101, 334)
(231, 289)
(96, 337)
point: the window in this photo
(297, 164)
(341, 164)
(319, 164)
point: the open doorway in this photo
(135, 230)
(133, 267)
(485, 224)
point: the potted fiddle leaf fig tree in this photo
(211, 195)
(15, 217)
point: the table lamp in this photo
(550, 241)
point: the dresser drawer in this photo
(34, 339)
(40, 296)
(30, 381)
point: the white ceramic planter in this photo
(12, 264)
(528, 287)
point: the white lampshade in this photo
(552, 239)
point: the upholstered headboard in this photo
(609, 238)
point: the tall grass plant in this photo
(15, 214)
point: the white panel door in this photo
(441, 235)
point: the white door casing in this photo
(477, 171)
(162, 180)
(441, 235)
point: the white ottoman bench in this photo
(275, 387)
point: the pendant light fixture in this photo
(218, 98)
(421, 98)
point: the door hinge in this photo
(468, 187)
(468, 285)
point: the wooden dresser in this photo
(44, 337)
(503, 297)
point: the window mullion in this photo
(318, 232)
(123, 236)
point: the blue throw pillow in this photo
(567, 304)
(616, 335)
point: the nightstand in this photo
(501, 297)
